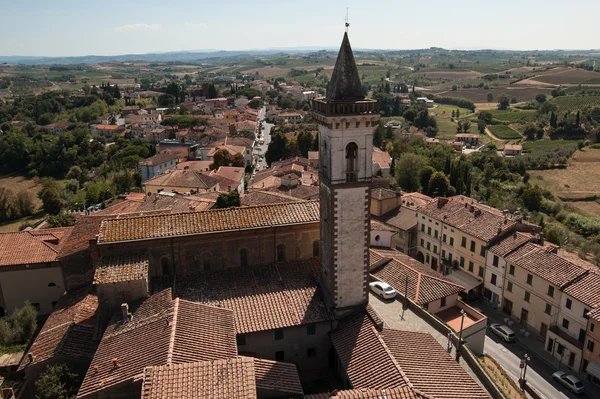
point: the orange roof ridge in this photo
(391, 356)
(418, 286)
(173, 329)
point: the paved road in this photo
(266, 135)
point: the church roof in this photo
(345, 81)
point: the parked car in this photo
(384, 290)
(570, 381)
(503, 332)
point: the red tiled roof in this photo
(189, 223)
(277, 376)
(33, 246)
(428, 366)
(364, 356)
(586, 289)
(183, 178)
(510, 243)
(159, 159)
(365, 393)
(378, 226)
(383, 193)
(258, 297)
(69, 332)
(122, 267)
(545, 264)
(215, 379)
(162, 332)
(594, 314)
(424, 284)
(400, 359)
(265, 197)
(382, 158)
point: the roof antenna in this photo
(347, 24)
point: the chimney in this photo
(96, 369)
(228, 189)
(542, 239)
(115, 363)
(125, 315)
(30, 357)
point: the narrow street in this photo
(266, 135)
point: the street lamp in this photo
(462, 321)
(524, 362)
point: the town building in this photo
(181, 181)
(467, 138)
(30, 270)
(512, 150)
(157, 164)
(591, 352)
(382, 162)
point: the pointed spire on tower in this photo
(345, 81)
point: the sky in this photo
(114, 27)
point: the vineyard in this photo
(544, 154)
(513, 116)
(504, 132)
(575, 103)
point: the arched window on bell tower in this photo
(351, 159)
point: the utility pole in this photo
(462, 321)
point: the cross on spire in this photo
(347, 24)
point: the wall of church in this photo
(295, 345)
(351, 238)
(191, 254)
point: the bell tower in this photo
(346, 122)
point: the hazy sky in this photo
(111, 27)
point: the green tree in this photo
(552, 236)
(540, 98)
(426, 173)
(52, 199)
(221, 157)
(23, 203)
(305, 141)
(408, 171)
(490, 97)
(504, 102)
(238, 160)
(439, 185)
(532, 198)
(530, 131)
(486, 117)
(378, 136)
(57, 382)
(227, 200)
(276, 148)
(63, 219)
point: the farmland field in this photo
(450, 75)
(504, 132)
(18, 183)
(580, 179)
(575, 103)
(446, 129)
(589, 208)
(480, 95)
(513, 116)
(560, 76)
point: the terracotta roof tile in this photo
(69, 332)
(266, 197)
(510, 243)
(378, 226)
(159, 159)
(586, 289)
(216, 379)
(383, 193)
(122, 267)
(279, 377)
(361, 351)
(189, 223)
(365, 393)
(34, 246)
(257, 296)
(183, 178)
(545, 264)
(162, 331)
(424, 284)
(429, 368)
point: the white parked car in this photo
(384, 290)
(570, 381)
(503, 332)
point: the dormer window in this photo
(351, 158)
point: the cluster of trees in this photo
(18, 328)
(15, 206)
(228, 200)
(224, 158)
(281, 147)
(57, 382)
(458, 102)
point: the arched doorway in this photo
(421, 257)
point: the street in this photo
(266, 135)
